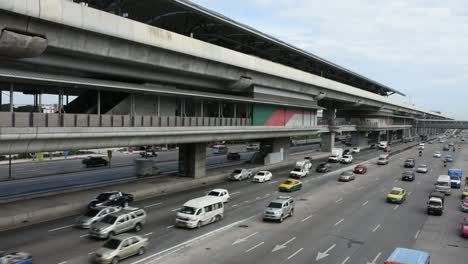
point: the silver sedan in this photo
(120, 247)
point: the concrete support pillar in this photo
(359, 139)
(192, 160)
(1, 99)
(272, 150)
(11, 98)
(387, 135)
(98, 102)
(327, 141)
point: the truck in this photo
(455, 178)
(435, 205)
(408, 256)
(336, 155)
(301, 169)
(383, 144)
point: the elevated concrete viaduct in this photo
(132, 83)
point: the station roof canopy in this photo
(187, 18)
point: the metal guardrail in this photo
(8, 119)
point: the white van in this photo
(200, 211)
(443, 184)
(220, 149)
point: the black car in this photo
(408, 176)
(409, 163)
(323, 167)
(446, 148)
(95, 161)
(111, 199)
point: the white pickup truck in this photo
(347, 159)
(301, 169)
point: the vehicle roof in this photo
(405, 255)
(397, 189)
(218, 190)
(126, 210)
(443, 177)
(202, 201)
(282, 199)
(435, 198)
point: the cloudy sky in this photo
(419, 47)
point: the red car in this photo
(387, 149)
(360, 169)
(464, 227)
(233, 156)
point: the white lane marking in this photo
(339, 200)
(339, 222)
(375, 229)
(151, 205)
(59, 228)
(410, 193)
(295, 253)
(189, 242)
(235, 205)
(90, 253)
(396, 207)
(307, 218)
(419, 182)
(235, 193)
(306, 181)
(240, 240)
(279, 247)
(254, 247)
(272, 182)
(321, 255)
(248, 201)
(377, 179)
(345, 260)
(365, 203)
(417, 234)
(85, 235)
(149, 234)
(258, 198)
(177, 209)
(361, 187)
(63, 262)
(169, 227)
(375, 259)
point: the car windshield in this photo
(260, 173)
(408, 173)
(423, 166)
(434, 203)
(188, 210)
(288, 182)
(322, 165)
(91, 213)
(395, 192)
(442, 183)
(109, 219)
(465, 222)
(275, 205)
(296, 169)
(347, 173)
(465, 200)
(103, 196)
(112, 244)
(237, 171)
(453, 177)
(213, 193)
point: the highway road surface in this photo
(333, 222)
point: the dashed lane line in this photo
(339, 222)
(295, 253)
(254, 247)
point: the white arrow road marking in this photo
(295, 253)
(321, 255)
(365, 203)
(279, 247)
(375, 259)
(396, 207)
(240, 240)
(339, 200)
(254, 247)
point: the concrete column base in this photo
(359, 139)
(327, 142)
(192, 160)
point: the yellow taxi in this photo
(396, 195)
(465, 192)
(290, 185)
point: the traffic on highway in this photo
(357, 211)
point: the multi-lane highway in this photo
(84, 177)
(345, 222)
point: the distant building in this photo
(49, 108)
